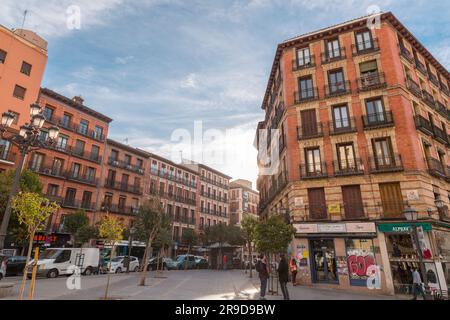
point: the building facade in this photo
(363, 118)
(243, 201)
(23, 57)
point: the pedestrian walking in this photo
(283, 276)
(417, 284)
(294, 270)
(263, 271)
(225, 262)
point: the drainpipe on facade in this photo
(102, 166)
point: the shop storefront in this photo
(341, 255)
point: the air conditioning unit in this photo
(141, 171)
(129, 167)
(116, 163)
(48, 171)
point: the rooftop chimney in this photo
(78, 99)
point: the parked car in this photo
(185, 261)
(167, 264)
(201, 263)
(118, 264)
(15, 265)
(2, 267)
(60, 261)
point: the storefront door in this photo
(323, 261)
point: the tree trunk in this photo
(25, 270)
(187, 257)
(144, 271)
(251, 258)
(22, 252)
(108, 277)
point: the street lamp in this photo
(412, 216)
(27, 140)
(130, 245)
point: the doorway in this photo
(323, 261)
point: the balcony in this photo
(338, 89)
(391, 163)
(428, 99)
(371, 82)
(213, 212)
(278, 116)
(433, 79)
(313, 171)
(48, 170)
(424, 125)
(421, 67)
(177, 198)
(332, 56)
(173, 177)
(306, 63)
(378, 120)
(70, 126)
(120, 209)
(86, 155)
(216, 183)
(342, 126)
(274, 190)
(441, 108)
(213, 197)
(317, 212)
(365, 47)
(7, 156)
(413, 87)
(125, 187)
(310, 131)
(185, 220)
(124, 165)
(436, 169)
(72, 204)
(306, 95)
(405, 53)
(445, 89)
(349, 168)
(81, 178)
(440, 135)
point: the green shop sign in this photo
(403, 227)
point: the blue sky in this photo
(159, 65)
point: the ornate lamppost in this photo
(27, 140)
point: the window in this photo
(336, 81)
(43, 136)
(62, 142)
(66, 120)
(140, 163)
(346, 156)
(98, 133)
(375, 111)
(333, 49)
(309, 123)
(95, 151)
(107, 202)
(2, 56)
(90, 174)
(391, 199)
(57, 167)
(19, 92)
(313, 161)
(16, 116)
(127, 159)
(364, 40)
(84, 125)
(26, 68)
(340, 117)
(382, 149)
(111, 177)
(303, 57)
(79, 147)
(125, 179)
(368, 68)
(4, 149)
(36, 162)
(122, 203)
(305, 87)
(52, 190)
(70, 196)
(76, 169)
(114, 155)
(87, 199)
(317, 204)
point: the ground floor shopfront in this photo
(371, 257)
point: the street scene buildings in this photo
(363, 121)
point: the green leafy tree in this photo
(248, 225)
(273, 235)
(86, 233)
(32, 211)
(148, 223)
(221, 234)
(111, 230)
(163, 239)
(75, 221)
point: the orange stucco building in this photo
(363, 119)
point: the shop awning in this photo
(403, 227)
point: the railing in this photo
(313, 171)
(434, 80)
(423, 125)
(174, 178)
(308, 131)
(435, 168)
(440, 135)
(391, 163)
(7, 156)
(441, 108)
(77, 129)
(82, 178)
(378, 120)
(445, 89)
(338, 89)
(413, 87)
(349, 168)
(306, 63)
(182, 219)
(216, 183)
(317, 212)
(125, 187)
(125, 210)
(428, 99)
(342, 126)
(372, 81)
(406, 54)
(278, 115)
(124, 165)
(421, 67)
(365, 47)
(336, 55)
(78, 153)
(72, 204)
(306, 95)
(48, 170)
(213, 212)
(280, 184)
(212, 197)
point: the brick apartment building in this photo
(213, 196)
(23, 57)
(364, 120)
(243, 201)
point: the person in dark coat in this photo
(263, 271)
(283, 276)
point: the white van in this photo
(54, 262)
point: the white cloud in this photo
(190, 81)
(123, 60)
